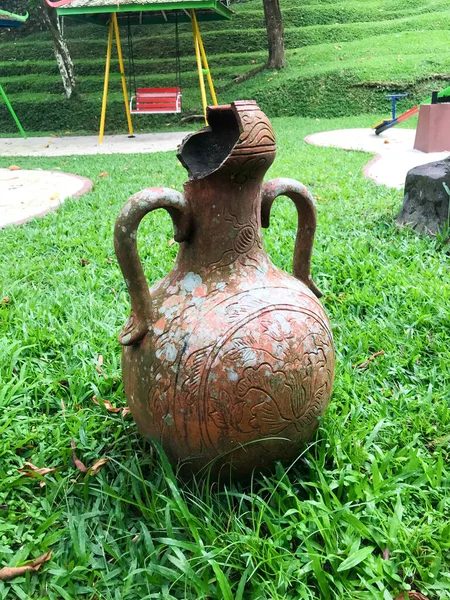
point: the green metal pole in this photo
(11, 110)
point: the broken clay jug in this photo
(227, 361)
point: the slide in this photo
(383, 125)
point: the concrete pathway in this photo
(70, 145)
(394, 151)
(28, 194)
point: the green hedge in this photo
(51, 84)
(325, 95)
(96, 67)
(233, 41)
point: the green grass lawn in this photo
(364, 511)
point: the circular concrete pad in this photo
(28, 194)
(395, 154)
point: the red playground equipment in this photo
(388, 123)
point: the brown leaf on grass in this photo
(413, 595)
(99, 364)
(95, 468)
(366, 363)
(103, 174)
(5, 300)
(14, 168)
(125, 412)
(10, 572)
(171, 242)
(110, 260)
(31, 470)
(107, 404)
(84, 261)
(79, 465)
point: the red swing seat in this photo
(156, 100)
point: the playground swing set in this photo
(149, 100)
(146, 101)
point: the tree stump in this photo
(426, 201)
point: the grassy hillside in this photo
(343, 57)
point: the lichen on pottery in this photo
(228, 361)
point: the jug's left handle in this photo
(125, 245)
(306, 227)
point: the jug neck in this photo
(226, 162)
(226, 221)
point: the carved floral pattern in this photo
(268, 399)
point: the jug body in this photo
(227, 361)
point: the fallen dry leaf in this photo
(98, 465)
(79, 465)
(104, 174)
(413, 595)
(110, 260)
(171, 242)
(99, 364)
(14, 168)
(31, 470)
(366, 363)
(54, 196)
(107, 404)
(84, 261)
(386, 141)
(5, 300)
(125, 412)
(10, 572)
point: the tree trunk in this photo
(65, 64)
(275, 34)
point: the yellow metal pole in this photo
(122, 72)
(199, 63)
(105, 85)
(205, 62)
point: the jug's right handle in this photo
(125, 233)
(306, 227)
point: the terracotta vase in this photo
(227, 360)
